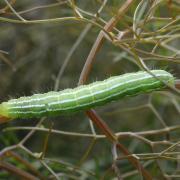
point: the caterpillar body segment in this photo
(86, 96)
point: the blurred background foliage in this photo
(31, 56)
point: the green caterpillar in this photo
(86, 96)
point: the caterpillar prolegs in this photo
(86, 96)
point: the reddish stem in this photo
(177, 83)
(112, 137)
(16, 171)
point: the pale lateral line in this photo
(64, 109)
(107, 97)
(82, 97)
(146, 75)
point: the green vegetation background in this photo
(37, 52)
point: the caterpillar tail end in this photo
(4, 114)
